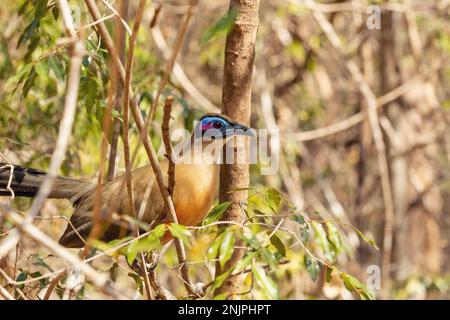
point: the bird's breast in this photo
(195, 188)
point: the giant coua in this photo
(196, 176)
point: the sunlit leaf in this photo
(213, 250)
(365, 238)
(267, 284)
(226, 247)
(216, 212)
(181, 232)
(274, 199)
(353, 284)
(334, 237)
(220, 279)
(270, 258)
(221, 26)
(245, 262)
(322, 240)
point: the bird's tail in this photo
(25, 182)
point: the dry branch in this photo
(5, 294)
(176, 48)
(166, 138)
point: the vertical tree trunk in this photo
(236, 103)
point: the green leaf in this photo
(104, 246)
(270, 258)
(57, 67)
(226, 247)
(216, 213)
(138, 280)
(329, 273)
(299, 219)
(158, 231)
(147, 244)
(353, 284)
(132, 252)
(220, 279)
(55, 12)
(278, 244)
(18, 78)
(181, 232)
(213, 250)
(41, 8)
(29, 82)
(245, 262)
(40, 262)
(312, 266)
(274, 199)
(267, 284)
(334, 237)
(322, 240)
(29, 32)
(365, 238)
(221, 296)
(221, 27)
(92, 93)
(22, 276)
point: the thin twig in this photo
(161, 293)
(168, 146)
(351, 121)
(180, 75)
(176, 48)
(11, 174)
(5, 294)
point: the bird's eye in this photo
(217, 125)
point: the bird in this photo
(196, 183)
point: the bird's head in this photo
(218, 126)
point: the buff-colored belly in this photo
(195, 189)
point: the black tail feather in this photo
(26, 182)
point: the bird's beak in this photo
(242, 130)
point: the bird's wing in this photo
(115, 199)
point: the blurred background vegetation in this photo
(300, 84)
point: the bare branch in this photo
(166, 138)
